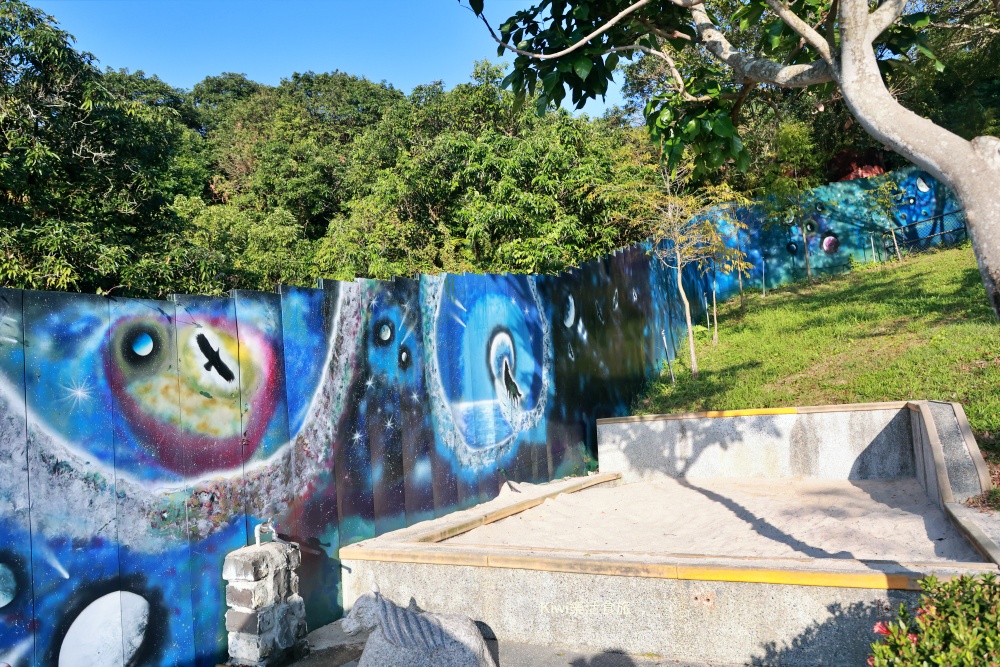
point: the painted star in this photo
(389, 423)
(77, 393)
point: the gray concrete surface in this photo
(962, 473)
(855, 445)
(867, 520)
(330, 646)
(685, 620)
(512, 654)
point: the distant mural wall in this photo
(140, 441)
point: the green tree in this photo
(688, 228)
(574, 47)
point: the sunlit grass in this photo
(917, 330)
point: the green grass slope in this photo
(917, 330)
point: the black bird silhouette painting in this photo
(214, 360)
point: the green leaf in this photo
(749, 15)
(611, 61)
(582, 66)
(916, 20)
(477, 6)
(581, 12)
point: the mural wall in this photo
(140, 441)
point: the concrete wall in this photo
(727, 622)
(848, 444)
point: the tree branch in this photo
(806, 31)
(734, 114)
(760, 70)
(664, 34)
(883, 17)
(831, 23)
(965, 26)
(597, 33)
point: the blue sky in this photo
(404, 42)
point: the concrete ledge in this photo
(797, 410)
(970, 442)
(942, 483)
(869, 441)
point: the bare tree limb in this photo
(831, 26)
(751, 68)
(883, 17)
(806, 31)
(745, 90)
(664, 34)
(965, 26)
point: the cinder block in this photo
(251, 595)
(252, 649)
(250, 622)
(266, 619)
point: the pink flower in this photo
(871, 661)
(912, 637)
(881, 629)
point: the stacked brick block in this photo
(266, 619)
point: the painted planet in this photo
(8, 586)
(143, 345)
(97, 638)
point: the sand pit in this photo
(864, 520)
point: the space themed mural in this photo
(140, 441)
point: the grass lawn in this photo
(917, 330)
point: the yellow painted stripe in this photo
(749, 413)
(618, 568)
(874, 580)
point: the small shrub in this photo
(956, 625)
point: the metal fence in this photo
(943, 230)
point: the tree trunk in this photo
(805, 248)
(715, 310)
(970, 168)
(739, 276)
(687, 318)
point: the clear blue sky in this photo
(404, 42)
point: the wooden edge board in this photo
(439, 534)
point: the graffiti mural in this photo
(140, 441)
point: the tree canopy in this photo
(115, 181)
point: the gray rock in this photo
(410, 638)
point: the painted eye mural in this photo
(792, 248)
(501, 336)
(148, 389)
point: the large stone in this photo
(410, 638)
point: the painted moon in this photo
(143, 344)
(96, 638)
(8, 586)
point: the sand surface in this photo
(787, 518)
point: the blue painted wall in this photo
(140, 441)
